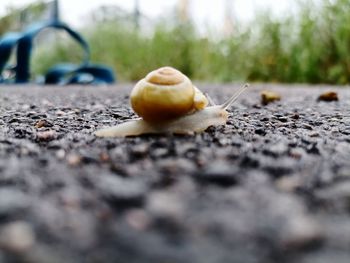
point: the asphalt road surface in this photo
(273, 185)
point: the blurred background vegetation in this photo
(311, 47)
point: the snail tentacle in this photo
(210, 100)
(234, 97)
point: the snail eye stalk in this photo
(234, 97)
(210, 99)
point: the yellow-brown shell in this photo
(165, 94)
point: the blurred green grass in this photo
(311, 47)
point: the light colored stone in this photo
(17, 237)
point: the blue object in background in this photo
(85, 73)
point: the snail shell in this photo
(166, 94)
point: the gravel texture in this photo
(273, 185)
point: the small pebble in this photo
(288, 184)
(12, 203)
(43, 123)
(104, 157)
(60, 113)
(122, 192)
(46, 135)
(302, 232)
(314, 134)
(17, 237)
(220, 173)
(307, 126)
(74, 159)
(138, 219)
(61, 154)
(260, 131)
(276, 150)
(165, 204)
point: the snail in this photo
(168, 102)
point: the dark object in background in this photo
(85, 73)
(328, 96)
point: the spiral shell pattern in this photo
(165, 94)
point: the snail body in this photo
(165, 110)
(189, 124)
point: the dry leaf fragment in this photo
(328, 96)
(268, 96)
